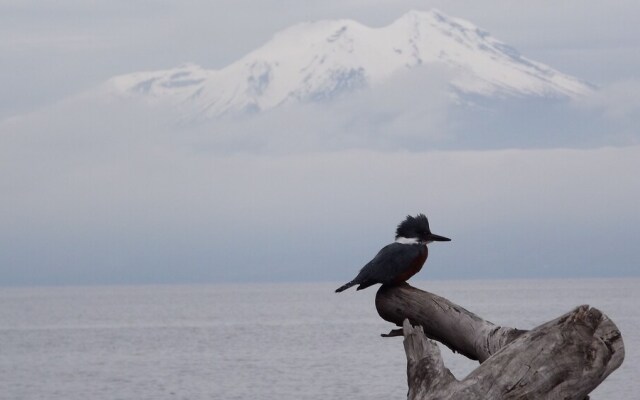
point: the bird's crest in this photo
(413, 227)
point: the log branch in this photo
(448, 323)
(426, 373)
(565, 358)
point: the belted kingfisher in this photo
(398, 261)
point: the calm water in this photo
(280, 341)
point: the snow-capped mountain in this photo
(319, 60)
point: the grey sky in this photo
(93, 192)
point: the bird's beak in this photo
(437, 238)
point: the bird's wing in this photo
(390, 262)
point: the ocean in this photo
(261, 341)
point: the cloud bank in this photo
(95, 192)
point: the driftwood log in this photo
(565, 358)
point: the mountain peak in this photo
(317, 61)
(422, 14)
(436, 17)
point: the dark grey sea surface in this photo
(260, 341)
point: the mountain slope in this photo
(317, 61)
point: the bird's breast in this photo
(413, 267)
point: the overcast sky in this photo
(92, 193)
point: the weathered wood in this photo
(457, 328)
(565, 358)
(424, 362)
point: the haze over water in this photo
(266, 341)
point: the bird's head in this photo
(417, 228)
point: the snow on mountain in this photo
(318, 60)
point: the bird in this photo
(397, 262)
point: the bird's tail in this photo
(346, 286)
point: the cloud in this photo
(416, 110)
(618, 104)
(618, 100)
(409, 110)
(93, 196)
